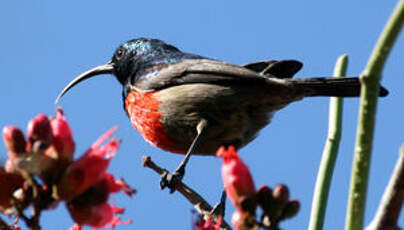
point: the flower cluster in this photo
(40, 171)
(240, 189)
(276, 204)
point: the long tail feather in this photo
(338, 87)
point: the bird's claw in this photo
(170, 181)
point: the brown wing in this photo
(279, 69)
(197, 71)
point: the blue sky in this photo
(44, 44)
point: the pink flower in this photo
(91, 207)
(114, 186)
(97, 216)
(237, 179)
(84, 184)
(88, 169)
(62, 136)
(50, 144)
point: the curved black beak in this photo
(102, 69)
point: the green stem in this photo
(330, 153)
(369, 94)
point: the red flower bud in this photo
(15, 142)
(264, 197)
(39, 129)
(14, 139)
(281, 193)
(280, 198)
(88, 169)
(291, 209)
(62, 136)
(237, 179)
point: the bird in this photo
(189, 104)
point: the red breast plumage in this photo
(144, 114)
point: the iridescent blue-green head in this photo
(129, 58)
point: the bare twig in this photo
(19, 210)
(199, 203)
(33, 221)
(4, 225)
(392, 201)
(36, 212)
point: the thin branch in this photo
(19, 210)
(199, 203)
(364, 138)
(390, 206)
(4, 225)
(330, 153)
(36, 212)
(34, 222)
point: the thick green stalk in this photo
(369, 94)
(330, 153)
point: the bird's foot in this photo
(171, 180)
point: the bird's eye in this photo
(119, 53)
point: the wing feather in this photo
(197, 71)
